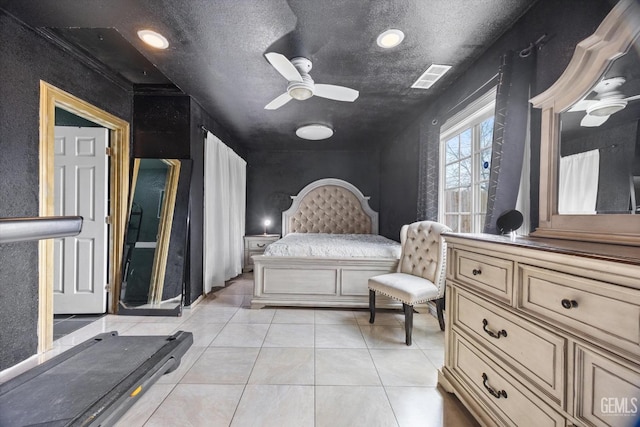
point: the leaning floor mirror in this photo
(153, 260)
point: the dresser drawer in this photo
(587, 307)
(537, 354)
(510, 401)
(257, 244)
(490, 275)
(608, 389)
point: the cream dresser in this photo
(543, 332)
(255, 245)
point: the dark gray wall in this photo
(566, 23)
(26, 59)
(399, 182)
(161, 126)
(274, 176)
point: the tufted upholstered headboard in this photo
(330, 205)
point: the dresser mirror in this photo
(590, 142)
(151, 213)
(599, 165)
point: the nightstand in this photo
(255, 245)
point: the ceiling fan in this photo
(609, 100)
(301, 85)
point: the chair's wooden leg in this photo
(439, 309)
(372, 305)
(408, 321)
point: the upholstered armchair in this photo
(421, 272)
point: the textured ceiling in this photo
(217, 49)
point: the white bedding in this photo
(334, 246)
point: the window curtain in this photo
(578, 183)
(510, 135)
(224, 212)
(427, 208)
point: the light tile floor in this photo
(289, 367)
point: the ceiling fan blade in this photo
(593, 121)
(283, 66)
(337, 93)
(582, 105)
(632, 98)
(278, 102)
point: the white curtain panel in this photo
(224, 212)
(578, 183)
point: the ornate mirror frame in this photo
(615, 35)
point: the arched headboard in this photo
(330, 205)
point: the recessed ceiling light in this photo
(314, 132)
(390, 38)
(153, 39)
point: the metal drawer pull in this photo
(496, 394)
(569, 303)
(492, 334)
(476, 272)
(261, 245)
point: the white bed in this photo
(321, 273)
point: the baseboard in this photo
(197, 301)
(20, 367)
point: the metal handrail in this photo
(36, 228)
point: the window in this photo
(465, 165)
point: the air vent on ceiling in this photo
(429, 77)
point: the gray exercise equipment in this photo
(93, 383)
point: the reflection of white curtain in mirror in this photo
(523, 201)
(578, 183)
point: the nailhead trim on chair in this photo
(404, 302)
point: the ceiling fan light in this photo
(606, 108)
(390, 38)
(314, 132)
(153, 39)
(300, 93)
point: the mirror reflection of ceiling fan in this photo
(301, 86)
(608, 100)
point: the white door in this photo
(80, 262)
